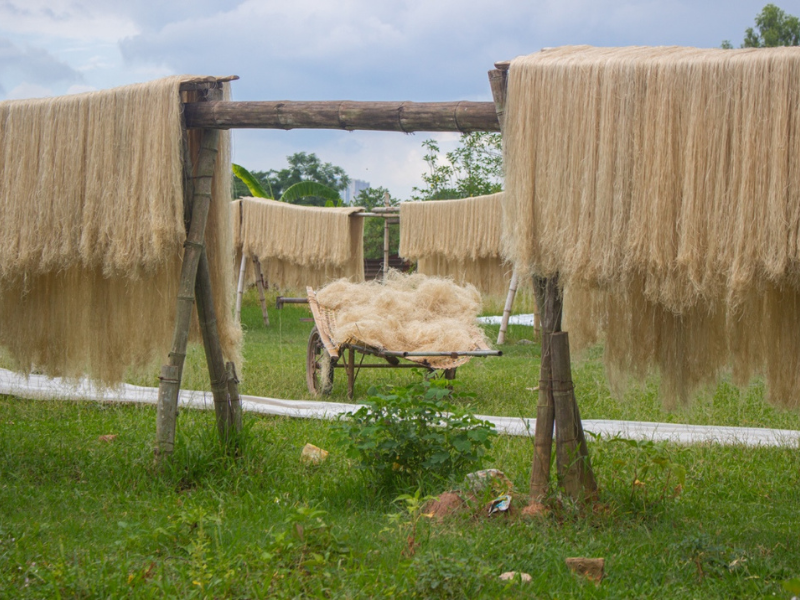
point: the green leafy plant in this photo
(293, 193)
(708, 557)
(409, 517)
(414, 432)
(792, 585)
(315, 537)
(449, 577)
(650, 469)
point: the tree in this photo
(373, 227)
(773, 28)
(302, 167)
(475, 168)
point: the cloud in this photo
(411, 49)
(80, 89)
(66, 19)
(406, 50)
(28, 90)
(35, 65)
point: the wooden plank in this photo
(462, 116)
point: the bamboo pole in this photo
(548, 301)
(406, 117)
(240, 288)
(512, 291)
(385, 239)
(235, 398)
(498, 81)
(572, 457)
(260, 285)
(194, 246)
(225, 410)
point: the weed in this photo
(414, 433)
(449, 577)
(409, 518)
(651, 471)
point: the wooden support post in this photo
(240, 288)
(498, 80)
(194, 246)
(235, 399)
(351, 372)
(548, 302)
(572, 457)
(225, 410)
(260, 285)
(386, 203)
(512, 291)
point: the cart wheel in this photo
(319, 366)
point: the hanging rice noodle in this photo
(460, 239)
(300, 246)
(663, 185)
(92, 229)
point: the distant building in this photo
(353, 189)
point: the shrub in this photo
(415, 432)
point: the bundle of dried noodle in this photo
(460, 239)
(300, 246)
(92, 230)
(663, 185)
(412, 313)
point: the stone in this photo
(311, 455)
(514, 575)
(591, 568)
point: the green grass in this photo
(83, 518)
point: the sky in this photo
(418, 50)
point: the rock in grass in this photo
(514, 575)
(311, 455)
(591, 568)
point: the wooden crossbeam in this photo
(348, 115)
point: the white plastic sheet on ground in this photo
(40, 387)
(512, 320)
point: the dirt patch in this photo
(448, 503)
(535, 509)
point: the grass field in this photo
(85, 518)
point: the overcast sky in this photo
(420, 50)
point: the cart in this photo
(324, 355)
